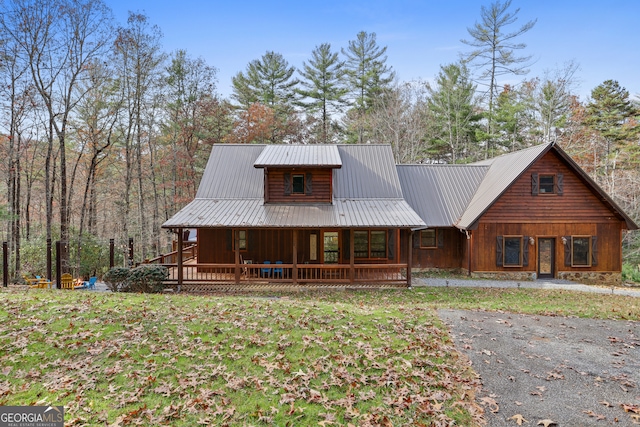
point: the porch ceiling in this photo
(254, 213)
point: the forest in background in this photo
(106, 136)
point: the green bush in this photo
(630, 273)
(146, 278)
(117, 279)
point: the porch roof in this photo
(360, 213)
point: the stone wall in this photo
(600, 278)
(522, 276)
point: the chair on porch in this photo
(265, 272)
(277, 271)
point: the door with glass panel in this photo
(546, 258)
(330, 247)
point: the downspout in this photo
(468, 234)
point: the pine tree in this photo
(323, 87)
(367, 73)
(494, 50)
(453, 114)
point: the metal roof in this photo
(299, 155)
(440, 193)
(503, 171)
(367, 193)
(254, 213)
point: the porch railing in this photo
(188, 253)
(301, 274)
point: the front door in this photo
(546, 258)
(330, 247)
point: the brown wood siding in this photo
(609, 243)
(321, 186)
(266, 244)
(452, 254)
(577, 212)
(576, 204)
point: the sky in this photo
(421, 36)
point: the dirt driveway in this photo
(574, 372)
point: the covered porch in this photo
(254, 258)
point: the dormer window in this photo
(297, 184)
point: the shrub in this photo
(146, 278)
(117, 279)
(630, 273)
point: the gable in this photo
(578, 202)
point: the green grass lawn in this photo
(318, 358)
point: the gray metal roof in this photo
(503, 171)
(254, 213)
(440, 193)
(367, 193)
(299, 155)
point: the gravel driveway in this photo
(573, 372)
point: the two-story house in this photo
(347, 215)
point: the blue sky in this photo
(601, 37)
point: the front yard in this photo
(335, 358)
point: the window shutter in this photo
(567, 251)
(250, 238)
(559, 184)
(346, 244)
(499, 243)
(440, 237)
(416, 238)
(308, 186)
(525, 251)
(391, 244)
(534, 184)
(229, 240)
(287, 184)
(594, 250)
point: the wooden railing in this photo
(302, 274)
(188, 253)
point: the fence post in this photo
(49, 259)
(111, 252)
(58, 263)
(5, 264)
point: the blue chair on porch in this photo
(278, 270)
(265, 272)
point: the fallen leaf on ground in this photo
(519, 419)
(547, 423)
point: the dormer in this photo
(298, 173)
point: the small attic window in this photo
(546, 184)
(297, 184)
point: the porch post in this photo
(409, 257)
(180, 266)
(294, 271)
(236, 252)
(352, 245)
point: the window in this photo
(581, 251)
(370, 244)
(512, 251)
(242, 240)
(297, 184)
(546, 184)
(428, 238)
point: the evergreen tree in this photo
(452, 113)
(494, 50)
(267, 80)
(367, 73)
(323, 87)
